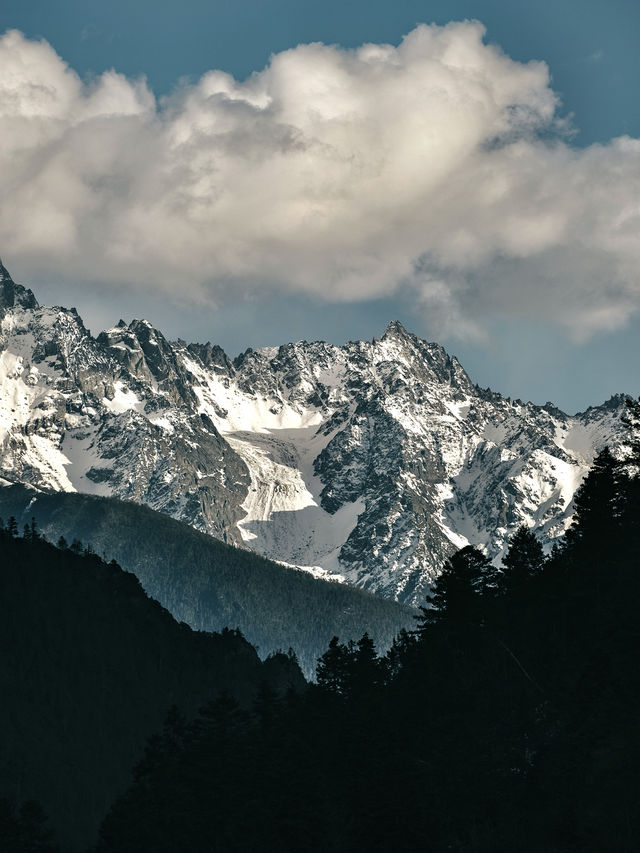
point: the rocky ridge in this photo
(370, 461)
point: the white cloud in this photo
(437, 165)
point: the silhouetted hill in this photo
(90, 667)
(210, 585)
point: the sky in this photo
(256, 172)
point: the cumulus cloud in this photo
(438, 165)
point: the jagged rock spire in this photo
(12, 294)
(4, 272)
(395, 329)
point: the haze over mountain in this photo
(370, 462)
(210, 585)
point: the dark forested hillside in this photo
(90, 667)
(210, 585)
(508, 721)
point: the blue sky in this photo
(591, 46)
(518, 347)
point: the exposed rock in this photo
(372, 461)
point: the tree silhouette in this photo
(599, 504)
(397, 656)
(331, 672)
(365, 671)
(631, 469)
(457, 591)
(524, 559)
(632, 423)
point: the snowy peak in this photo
(13, 295)
(392, 438)
(395, 329)
(370, 461)
(212, 357)
(145, 353)
(327, 377)
(158, 355)
(429, 361)
(115, 415)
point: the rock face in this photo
(370, 461)
(114, 415)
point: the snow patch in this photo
(124, 400)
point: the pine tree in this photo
(631, 471)
(456, 593)
(333, 667)
(632, 422)
(523, 559)
(365, 666)
(12, 527)
(598, 505)
(398, 654)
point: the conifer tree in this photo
(632, 422)
(397, 655)
(523, 559)
(631, 470)
(598, 505)
(365, 666)
(332, 669)
(456, 593)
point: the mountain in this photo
(371, 461)
(210, 585)
(508, 723)
(90, 668)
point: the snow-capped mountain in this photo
(368, 461)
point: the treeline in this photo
(206, 583)
(32, 533)
(508, 720)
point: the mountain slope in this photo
(371, 461)
(90, 667)
(210, 585)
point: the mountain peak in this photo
(395, 329)
(12, 294)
